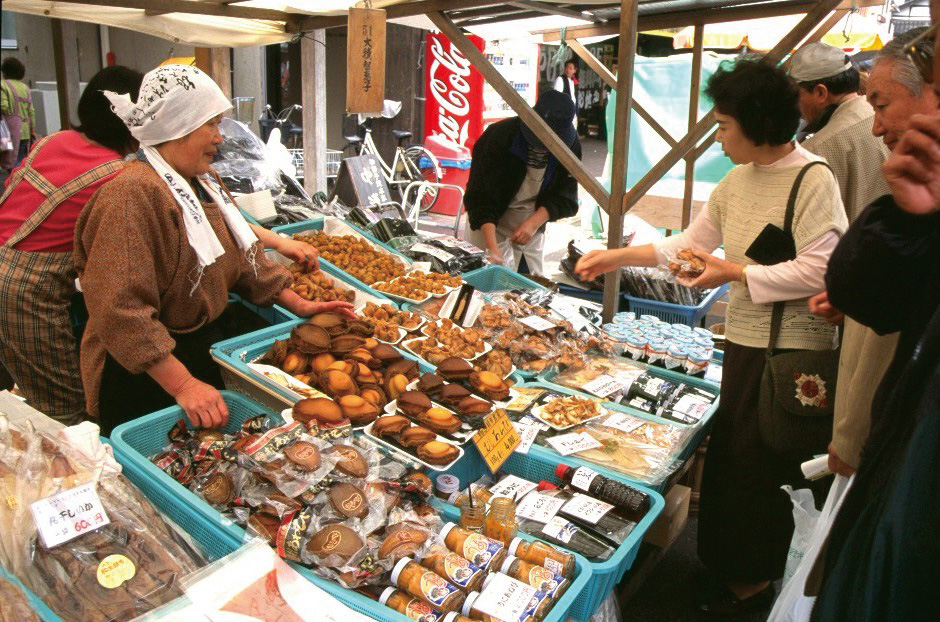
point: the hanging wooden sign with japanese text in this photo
(365, 61)
(497, 440)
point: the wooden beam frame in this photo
(710, 16)
(553, 9)
(695, 86)
(197, 8)
(611, 80)
(618, 175)
(394, 11)
(528, 116)
(313, 68)
(799, 32)
(498, 19)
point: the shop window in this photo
(8, 30)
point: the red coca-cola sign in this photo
(454, 92)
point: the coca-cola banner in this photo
(454, 102)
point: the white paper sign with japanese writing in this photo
(566, 444)
(504, 598)
(69, 514)
(538, 507)
(537, 323)
(587, 508)
(512, 487)
(603, 385)
(527, 434)
(624, 423)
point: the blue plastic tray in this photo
(540, 465)
(42, 611)
(233, 356)
(134, 441)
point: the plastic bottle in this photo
(542, 579)
(476, 548)
(563, 532)
(454, 568)
(501, 520)
(411, 607)
(602, 518)
(453, 616)
(544, 555)
(634, 503)
(476, 614)
(426, 585)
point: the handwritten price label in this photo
(624, 423)
(527, 434)
(69, 514)
(567, 444)
(497, 441)
(602, 386)
(537, 323)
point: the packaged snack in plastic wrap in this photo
(643, 450)
(127, 566)
(254, 584)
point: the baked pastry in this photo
(415, 436)
(490, 385)
(337, 540)
(413, 403)
(440, 420)
(303, 455)
(472, 407)
(430, 384)
(395, 385)
(336, 383)
(451, 394)
(349, 500)
(358, 410)
(438, 452)
(322, 410)
(351, 462)
(386, 354)
(401, 540)
(453, 368)
(390, 425)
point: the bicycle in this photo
(290, 132)
(410, 164)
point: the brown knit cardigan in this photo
(137, 269)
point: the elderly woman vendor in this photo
(157, 250)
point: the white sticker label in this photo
(69, 514)
(691, 407)
(538, 507)
(537, 323)
(624, 423)
(560, 529)
(504, 598)
(512, 487)
(433, 251)
(569, 312)
(567, 444)
(586, 508)
(602, 386)
(527, 434)
(582, 478)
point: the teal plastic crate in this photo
(136, 440)
(540, 465)
(42, 611)
(233, 356)
(496, 278)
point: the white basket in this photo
(333, 160)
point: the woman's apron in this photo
(37, 345)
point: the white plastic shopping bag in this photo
(811, 529)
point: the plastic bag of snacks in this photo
(643, 450)
(125, 567)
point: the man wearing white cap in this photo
(839, 122)
(841, 126)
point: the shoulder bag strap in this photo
(776, 317)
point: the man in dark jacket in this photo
(516, 185)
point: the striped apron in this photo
(37, 345)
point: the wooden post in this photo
(695, 85)
(66, 69)
(217, 63)
(618, 172)
(313, 87)
(819, 11)
(528, 116)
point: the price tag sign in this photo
(602, 386)
(537, 323)
(587, 508)
(525, 397)
(567, 444)
(69, 514)
(624, 423)
(505, 598)
(527, 434)
(540, 508)
(512, 487)
(497, 441)
(569, 312)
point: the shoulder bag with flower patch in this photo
(798, 387)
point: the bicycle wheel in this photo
(419, 164)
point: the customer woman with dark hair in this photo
(38, 211)
(745, 522)
(16, 106)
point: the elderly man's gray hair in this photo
(904, 72)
